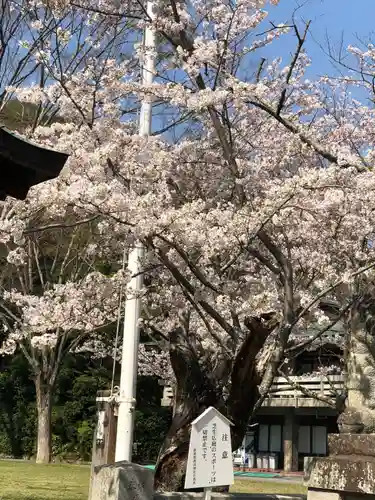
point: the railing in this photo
(304, 391)
(290, 392)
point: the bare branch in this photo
(62, 225)
(301, 41)
(192, 291)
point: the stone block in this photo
(122, 481)
(352, 444)
(349, 474)
(322, 495)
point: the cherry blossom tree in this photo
(259, 210)
(51, 280)
(58, 289)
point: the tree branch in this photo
(193, 268)
(301, 41)
(329, 289)
(289, 125)
(306, 392)
(61, 226)
(192, 291)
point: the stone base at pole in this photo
(348, 473)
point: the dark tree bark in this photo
(194, 393)
(245, 380)
(199, 387)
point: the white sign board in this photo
(210, 452)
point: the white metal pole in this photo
(129, 364)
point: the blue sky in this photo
(337, 19)
(333, 17)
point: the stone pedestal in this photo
(348, 473)
(122, 481)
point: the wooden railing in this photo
(289, 392)
(304, 391)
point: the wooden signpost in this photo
(210, 453)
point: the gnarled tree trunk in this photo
(194, 393)
(44, 410)
(197, 388)
(245, 380)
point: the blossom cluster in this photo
(271, 153)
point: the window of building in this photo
(263, 437)
(312, 440)
(319, 440)
(304, 439)
(269, 439)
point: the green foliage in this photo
(74, 410)
(151, 421)
(74, 416)
(85, 433)
(17, 115)
(17, 409)
(150, 430)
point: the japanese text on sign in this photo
(210, 454)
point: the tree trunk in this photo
(196, 390)
(43, 402)
(171, 467)
(245, 380)
(194, 393)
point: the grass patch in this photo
(28, 481)
(270, 487)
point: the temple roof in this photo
(24, 164)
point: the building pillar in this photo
(290, 442)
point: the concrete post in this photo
(104, 442)
(105, 434)
(290, 442)
(130, 345)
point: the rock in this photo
(353, 474)
(122, 481)
(322, 495)
(351, 444)
(348, 472)
(350, 422)
(357, 421)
